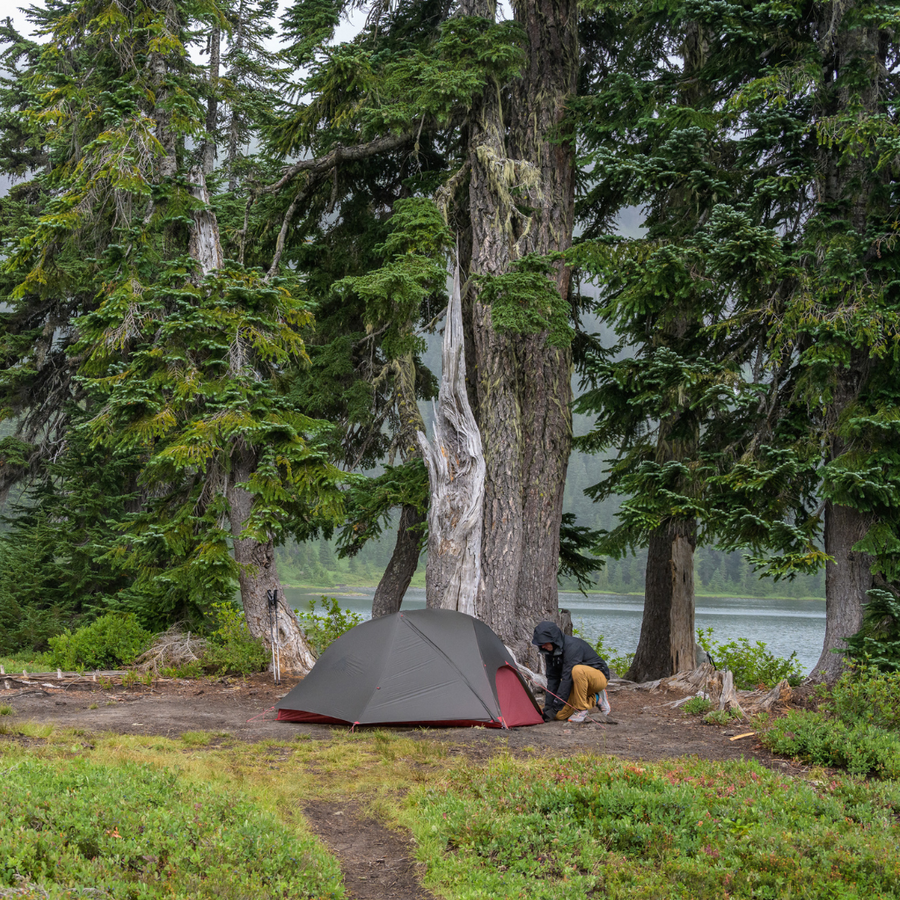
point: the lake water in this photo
(785, 626)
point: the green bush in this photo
(721, 716)
(113, 640)
(231, 649)
(866, 695)
(619, 663)
(822, 740)
(877, 643)
(752, 665)
(697, 706)
(855, 727)
(322, 628)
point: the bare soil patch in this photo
(376, 861)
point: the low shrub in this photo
(721, 716)
(752, 665)
(697, 706)
(113, 640)
(619, 663)
(877, 643)
(866, 695)
(322, 628)
(138, 831)
(572, 828)
(231, 649)
(857, 725)
(822, 740)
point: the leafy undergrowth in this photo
(77, 827)
(856, 727)
(587, 827)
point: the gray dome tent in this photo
(423, 667)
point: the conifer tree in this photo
(793, 244)
(181, 357)
(451, 103)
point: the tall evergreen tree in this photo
(180, 357)
(791, 240)
(446, 101)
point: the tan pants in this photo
(586, 681)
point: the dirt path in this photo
(377, 863)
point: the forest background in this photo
(218, 280)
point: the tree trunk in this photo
(205, 245)
(402, 567)
(666, 645)
(854, 67)
(455, 462)
(208, 148)
(521, 200)
(847, 581)
(258, 575)
(165, 134)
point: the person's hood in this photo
(548, 632)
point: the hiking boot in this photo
(579, 717)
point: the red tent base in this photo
(291, 715)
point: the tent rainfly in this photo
(433, 667)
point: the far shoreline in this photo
(346, 590)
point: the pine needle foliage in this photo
(176, 370)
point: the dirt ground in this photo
(376, 861)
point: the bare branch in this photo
(339, 154)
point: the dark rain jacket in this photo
(567, 653)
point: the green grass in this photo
(136, 830)
(599, 827)
(31, 662)
(206, 816)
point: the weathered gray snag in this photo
(456, 474)
(205, 245)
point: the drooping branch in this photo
(302, 194)
(456, 473)
(339, 154)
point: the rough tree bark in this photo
(521, 200)
(850, 53)
(258, 575)
(456, 472)
(666, 644)
(847, 579)
(402, 566)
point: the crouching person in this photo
(574, 671)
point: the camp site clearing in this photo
(377, 862)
